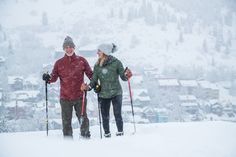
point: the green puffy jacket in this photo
(108, 76)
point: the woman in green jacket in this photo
(106, 72)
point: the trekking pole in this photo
(99, 116)
(46, 92)
(131, 102)
(82, 107)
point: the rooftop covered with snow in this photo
(168, 82)
(188, 83)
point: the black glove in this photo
(46, 77)
(97, 88)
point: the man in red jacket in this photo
(70, 69)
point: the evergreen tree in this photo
(10, 47)
(149, 15)
(205, 46)
(227, 50)
(44, 19)
(4, 36)
(3, 120)
(181, 38)
(131, 14)
(229, 39)
(228, 19)
(121, 15)
(111, 15)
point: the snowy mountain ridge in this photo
(148, 32)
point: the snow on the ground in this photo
(195, 139)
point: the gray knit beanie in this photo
(68, 42)
(107, 48)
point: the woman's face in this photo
(100, 54)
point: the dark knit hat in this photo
(68, 42)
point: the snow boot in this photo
(120, 133)
(108, 135)
(86, 135)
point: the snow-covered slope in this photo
(148, 32)
(199, 139)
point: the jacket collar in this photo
(109, 60)
(70, 57)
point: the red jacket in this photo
(70, 70)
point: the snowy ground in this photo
(198, 139)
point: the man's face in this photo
(69, 50)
